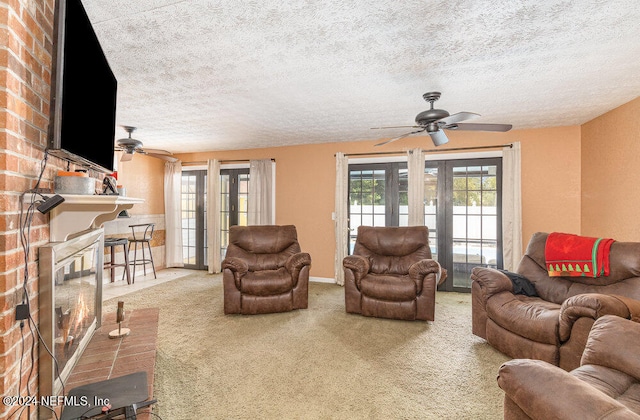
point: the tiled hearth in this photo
(107, 358)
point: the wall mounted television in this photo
(83, 92)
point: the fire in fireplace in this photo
(70, 304)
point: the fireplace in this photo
(70, 304)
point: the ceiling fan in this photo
(434, 121)
(130, 146)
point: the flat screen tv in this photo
(83, 92)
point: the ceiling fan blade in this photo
(157, 152)
(395, 126)
(163, 157)
(439, 138)
(399, 137)
(126, 157)
(479, 127)
(457, 117)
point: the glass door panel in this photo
(188, 190)
(234, 195)
(403, 197)
(367, 199)
(475, 219)
(194, 227)
(431, 212)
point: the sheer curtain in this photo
(213, 216)
(511, 207)
(415, 166)
(341, 224)
(172, 214)
(260, 205)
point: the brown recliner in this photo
(264, 270)
(606, 385)
(554, 325)
(391, 274)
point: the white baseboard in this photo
(329, 280)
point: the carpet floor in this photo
(316, 363)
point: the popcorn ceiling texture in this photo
(201, 75)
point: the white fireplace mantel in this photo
(81, 212)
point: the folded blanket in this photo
(572, 255)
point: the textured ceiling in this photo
(201, 75)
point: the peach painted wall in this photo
(610, 174)
(305, 181)
(143, 177)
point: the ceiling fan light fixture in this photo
(439, 138)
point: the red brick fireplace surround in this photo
(26, 28)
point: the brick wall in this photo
(25, 72)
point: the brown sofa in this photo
(391, 274)
(606, 385)
(554, 325)
(264, 270)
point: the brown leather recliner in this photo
(554, 325)
(391, 274)
(264, 270)
(606, 385)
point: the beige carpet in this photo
(318, 363)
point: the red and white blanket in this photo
(572, 255)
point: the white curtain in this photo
(213, 216)
(172, 214)
(341, 223)
(511, 207)
(260, 200)
(415, 166)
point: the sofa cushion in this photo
(390, 287)
(266, 282)
(618, 385)
(529, 317)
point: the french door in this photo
(194, 219)
(463, 199)
(377, 196)
(234, 192)
(234, 195)
(462, 210)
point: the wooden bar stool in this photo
(112, 243)
(142, 234)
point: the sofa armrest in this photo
(544, 391)
(421, 269)
(591, 305)
(236, 265)
(613, 343)
(490, 282)
(358, 264)
(295, 263)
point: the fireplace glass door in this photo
(70, 299)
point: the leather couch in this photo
(391, 274)
(264, 270)
(554, 325)
(606, 385)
